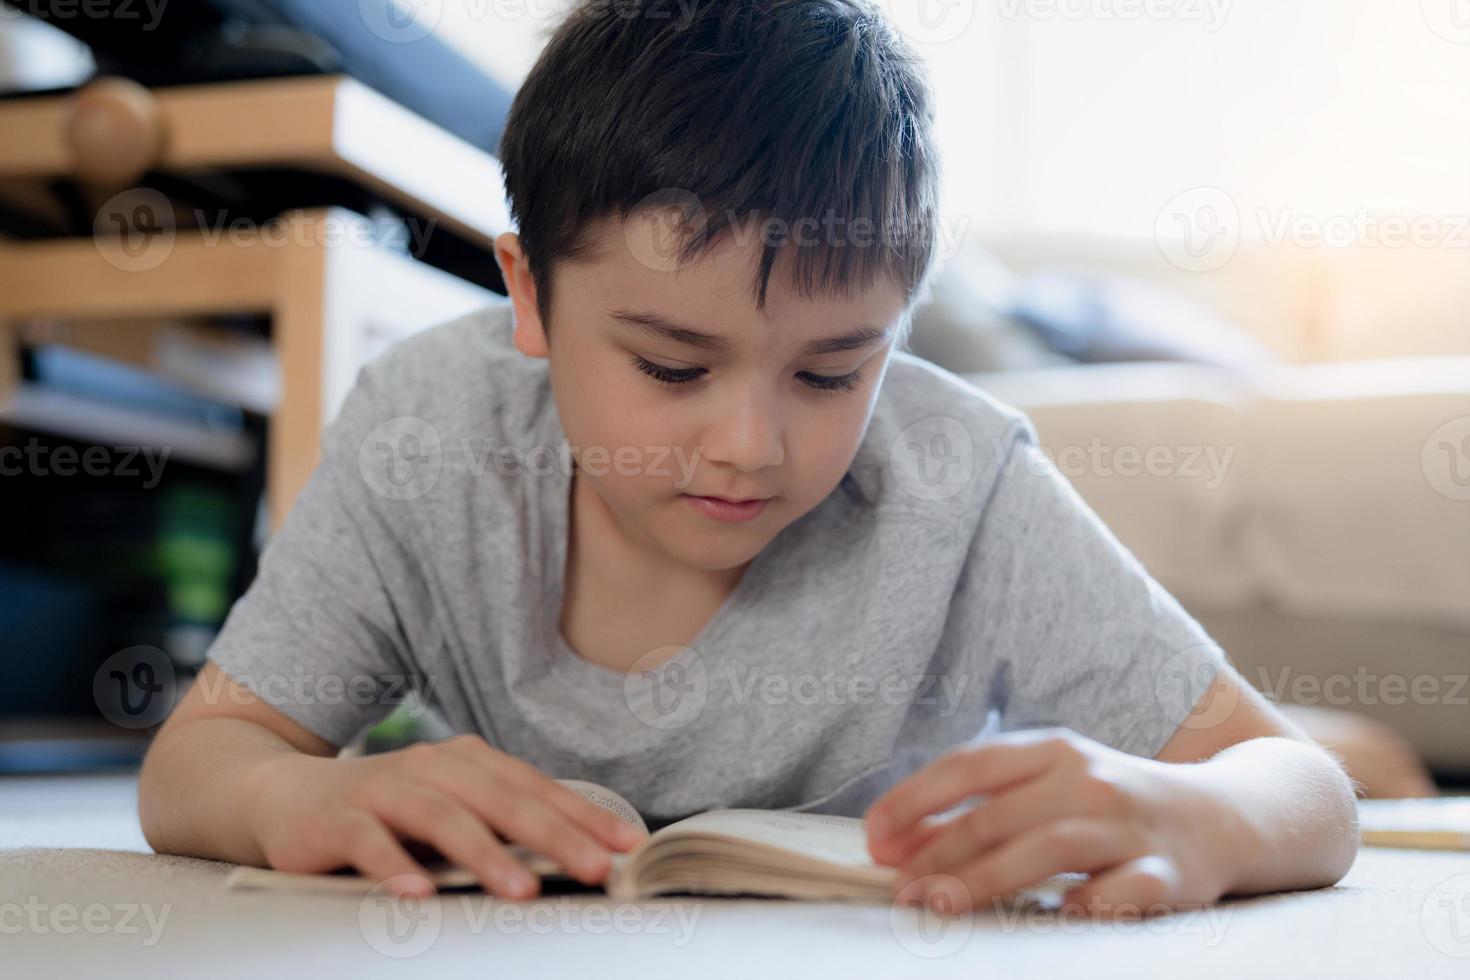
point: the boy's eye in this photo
(683, 376)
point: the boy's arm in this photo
(231, 778)
(1238, 801)
(1134, 751)
(1290, 806)
(204, 765)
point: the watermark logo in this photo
(942, 692)
(931, 21)
(1450, 19)
(1445, 916)
(662, 225)
(667, 687)
(401, 21)
(1364, 688)
(60, 11)
(401, 459)
(1199, 230)
(37, 458)
(1207, 923)
(134, 230)
(1446, 459)
(922, 917)
(675, 920)
(1210, 14)
(933, 459)
(1190, 680)
(396, 922)
(135, 688)
(39, 918)
(1208, 465)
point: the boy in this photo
(683, 520)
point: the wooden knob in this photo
(114, 132)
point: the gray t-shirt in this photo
(952, 585)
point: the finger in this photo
(601, 823)
(1140, 886)
(544, 830)
(1072, 844)
(897, 849)
(991, 823)
(369, 847)
(517, 815)
(429, 815)
(966, 772)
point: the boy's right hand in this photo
(459, 795)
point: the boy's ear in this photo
(530, 334)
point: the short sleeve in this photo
(1071, 629)
(319, 633)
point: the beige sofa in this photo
(1314, 515)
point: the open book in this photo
(780, 853)
(1435, 823)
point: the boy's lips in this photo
(731, 500)
(725, 509)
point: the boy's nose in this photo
(747, 434)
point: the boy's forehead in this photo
(636, 261)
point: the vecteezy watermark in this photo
(404, 458)
(1445, 916)
(37, 458)
(147, 12)
(1207, 464)
(1188, 687)
(401, 459)
(135, 688)
(414, 20)
(1446, 458)
(933, 459)
(1209, 14)
(301, 687)
(667, 687)
(931, 21)
(396, 924)
(401, 21)
(566, 916)
(928, 928)
(38, 917)
(1364, 687)
(1099, 917)
(673, 221)
(1362, 227)
(405, 926)
(334, 229)
(942, 691)
(1450, 19)
(1200, 230)
(137, 230)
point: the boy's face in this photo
(762, 417)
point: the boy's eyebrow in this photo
(652, 323)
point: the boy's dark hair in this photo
(810, 120)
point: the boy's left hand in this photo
(1056, 801)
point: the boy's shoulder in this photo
(935, 442)
(459, 373)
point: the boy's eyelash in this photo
(683, 376)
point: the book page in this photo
(608, 800)
(839, 840)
